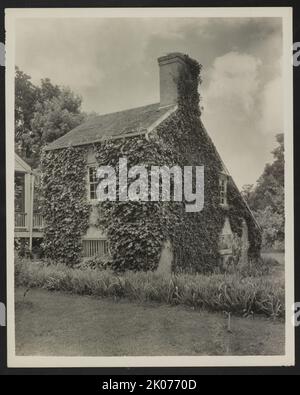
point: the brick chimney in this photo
(170, 67)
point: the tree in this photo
(47, 91)
(266, 199)
(247, 192)
(53, 118)
(269, 190)
(26, 95)
(43, 113)
(278, 164)
(272, 224)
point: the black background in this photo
(93, 383)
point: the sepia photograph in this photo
(150, 180)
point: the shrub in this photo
(257, 267)
(38, 247)
(21, 246)
(269, 261)
(96, 262)
(216, 292)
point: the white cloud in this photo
(243, 108)
(234, 80)
(272, 107)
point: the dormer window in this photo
(223, 189)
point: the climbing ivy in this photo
(65, 208)
(239, 212)
(137, 230)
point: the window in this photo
(94, 247)
(92, 182)
(223, 190)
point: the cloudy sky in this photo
(112, 64)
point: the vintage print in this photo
(150, 161)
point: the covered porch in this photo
(28, 223)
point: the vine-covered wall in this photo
(136, 230)
(65, 207)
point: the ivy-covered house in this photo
(149, 235)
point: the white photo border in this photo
(286, 13)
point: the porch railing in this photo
(20, 220)
(38, 222)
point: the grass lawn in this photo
(279, 256)
(277, 271)
(54, 323)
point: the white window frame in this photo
(223, 184)
(92, 165)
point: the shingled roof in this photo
(118, 124)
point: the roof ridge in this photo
(127, 109)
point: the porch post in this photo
(31, 211)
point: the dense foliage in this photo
(266, 199)
(135, 229)
(42, 114)
(65, 208)
(234, 293)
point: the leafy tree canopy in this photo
(266, 198)
(42, 114)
